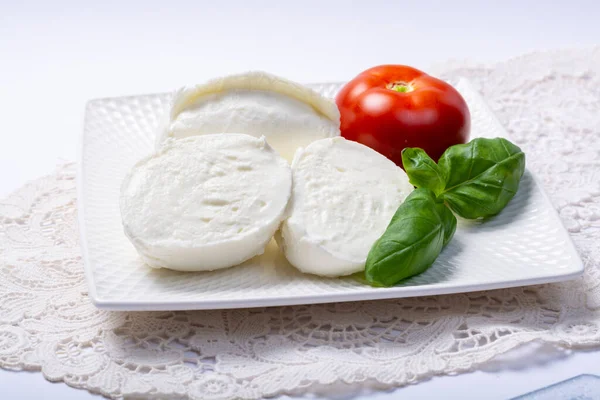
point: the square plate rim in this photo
(576, 270)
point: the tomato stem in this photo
(402, 87)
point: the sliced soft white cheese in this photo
(343, 197)
(288, 114)
(205, 202)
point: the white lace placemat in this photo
(550, 103)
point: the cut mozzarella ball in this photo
(344, 196)
(288, 114)
(205, 202)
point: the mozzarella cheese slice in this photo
(343, 197)
(205, 202)
(288, 114)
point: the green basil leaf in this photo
(482, 176)
(422, 171)
(412, 241)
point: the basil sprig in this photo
(474, 180)
(480, 177)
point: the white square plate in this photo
(525, 244)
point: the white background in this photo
(56, 55)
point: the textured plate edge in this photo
(576, 270)
(394, 293)
(87, 267)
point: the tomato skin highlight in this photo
(391, 107)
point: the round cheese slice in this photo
(205, 202)
(288, 114)
(343, 197)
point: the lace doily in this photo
(549, 102)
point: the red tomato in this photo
(391, 107)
